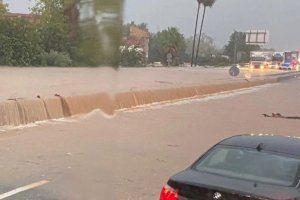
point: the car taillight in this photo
(168, 193)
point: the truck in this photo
(261, 59)
(290, 60)
(277, 60)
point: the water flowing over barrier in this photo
(23, 111)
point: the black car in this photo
(246, 167)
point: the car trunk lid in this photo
(193, 185)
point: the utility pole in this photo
(235, 46)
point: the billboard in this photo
(257, 37)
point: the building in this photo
(139, 37)
(29, 17)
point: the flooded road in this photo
(28, 83)
(133, 154)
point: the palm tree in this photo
(195, 34)
(206, 3)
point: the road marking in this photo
(22, 189)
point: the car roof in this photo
(279, 144)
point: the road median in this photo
(15, 112)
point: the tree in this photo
(206, 3)
(207, 49)
(91, 38)
(19, 43)
(52, 25)
(126, 28)
(3, 8)
(72, 14)
(165, 42)
(132, 56)
(209, 54)
(143, 26)
(237, 45)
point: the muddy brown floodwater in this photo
(82, 90)
(131, 156)
(30, 82)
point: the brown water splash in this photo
(84, 104)
(16, 112)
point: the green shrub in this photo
(54, 58)
(18, 43)
(132, 56)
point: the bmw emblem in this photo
(217, 196)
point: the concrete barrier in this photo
(21, 112)
(17, 112)
(54, 108)
(9, 113)
(84, 104)
(125, 100)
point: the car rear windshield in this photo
(250, 165)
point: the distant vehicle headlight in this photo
(262, 66)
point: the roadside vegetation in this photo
(54, 37)
(171, 40)
(42, 40)
(54, 34)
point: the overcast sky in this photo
(281, 17)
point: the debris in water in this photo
(173, 145)
(164, 82)
(280, 116)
